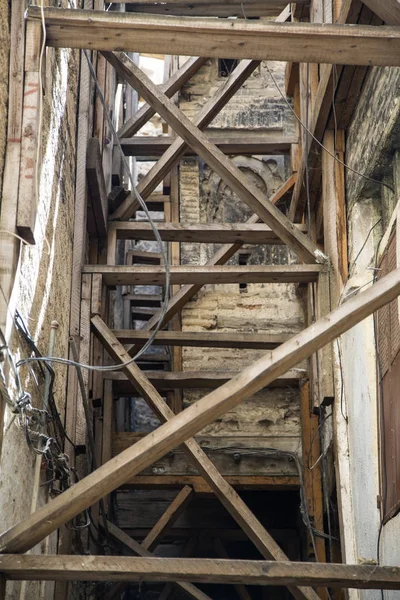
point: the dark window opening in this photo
(226, 66)
(243, 260)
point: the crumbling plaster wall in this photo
(41, 291)
(205, 198)
(371, 143)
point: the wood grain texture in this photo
(387, 10)
(126, 568)
(264, 40)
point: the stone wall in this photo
(205, 198)
(42, 293)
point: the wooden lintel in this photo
(211, 233)
(200, 570)
(264, 40)
(231, 143)
(200, 486)
(204, 339)
(184, 274)
(115, 472)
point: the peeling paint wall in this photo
(371, 143)
(272, 415)
(41, 294)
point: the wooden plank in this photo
(140, 550)
(204, 339)
(329, 77)
(210, 233)
(173, 85)
(98, 203)
(263, 40)
(212, 107)
(169, 380)
(388, 11)
(30, 136)
(187, 274)
(221, 9)
(83, 494)
(229, 173)
(201, 570)
(200, 486)
(242, 143)
(166, 521)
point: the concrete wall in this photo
(42, 289)
(272, 416)
(372, 139)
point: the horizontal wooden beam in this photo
(211, 233)
(204, 339)
(239, 143)
(200, 486)
(185, 274)
(170, 380)
(213, 37)
(199, 570)
(193, 419)
(254, 8)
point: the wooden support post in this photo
(312, 473)
(202, 570)
(170, 87)
(231, 174)
(29, 169)
(304, 42)
(98, 203)
(139, 549)
(30, 531)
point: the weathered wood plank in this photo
(98, 202)
(263, 40)
(228, 171)
(108, 477)
(211, 233)
(200, 486)
(213, 9)
(202, 570)
(169, 380)
(388, 11)
(239, 143)
(173, 85)
(206, 339)
(185, 274)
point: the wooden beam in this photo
(173, 85)
(206, 339)
(98, 201)
(140, 550)
(169, 380)
(210, 233)
(281, 4)
(318, 122)
(168, 518)
(242, 143)
(187, 274)
(212, 107)
(200, 486)
(159, 442)
(201, 570)
(387, 10)
(224, 9)
(228, 172)
(264, 40)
